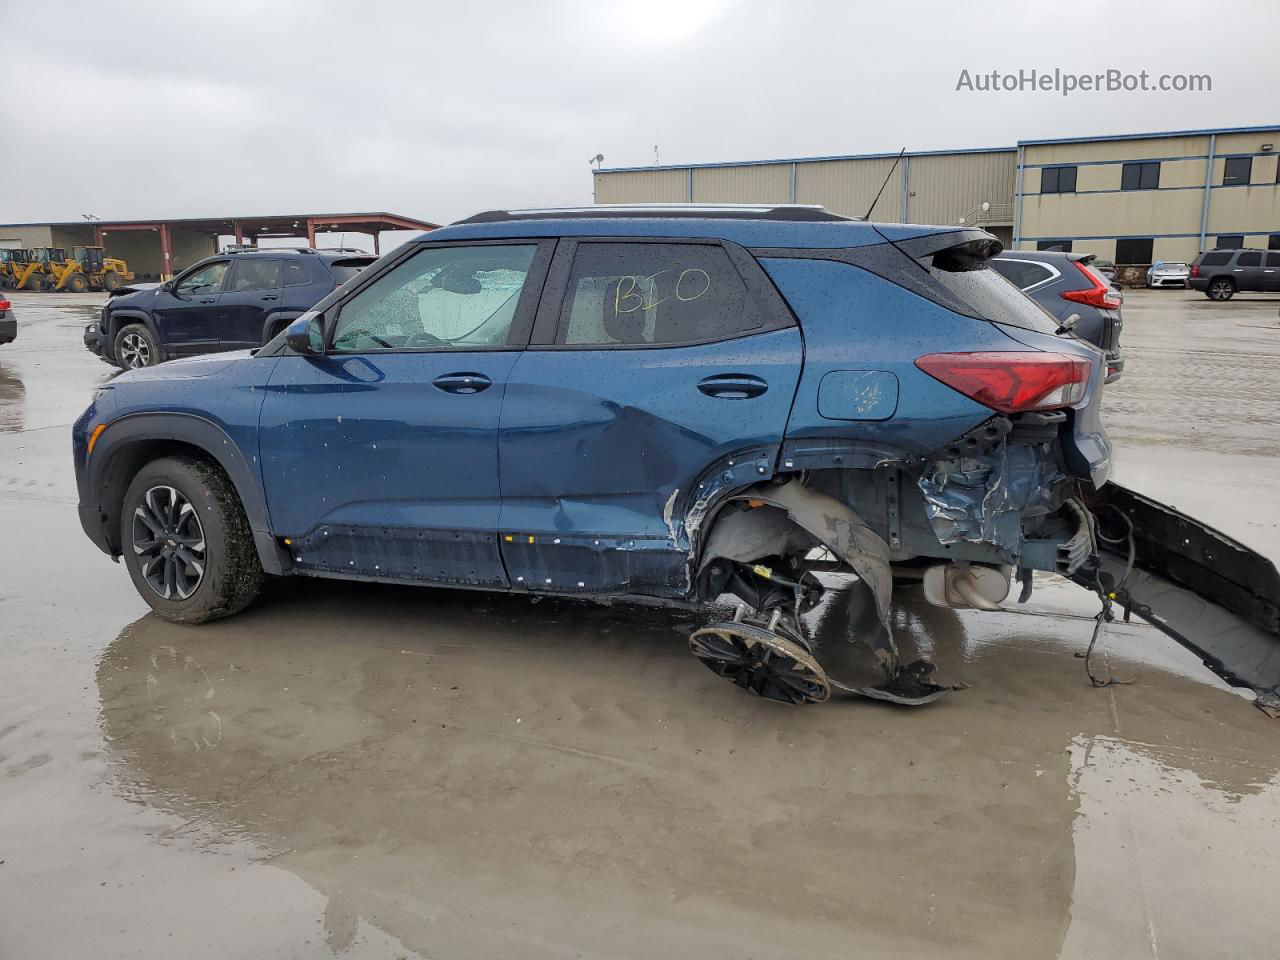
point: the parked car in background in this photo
(1221, 274)
(1066, 284)
(1168, 273)
(230, 301)
(8, 321)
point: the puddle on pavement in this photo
(480, 774)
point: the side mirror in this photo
(306, 335)
(167, 286)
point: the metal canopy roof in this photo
(285, 225)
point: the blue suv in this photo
(775, 406)
(229, 302)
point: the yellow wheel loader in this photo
(13, 265)
(87, 269)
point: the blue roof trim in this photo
(1159, 134)
(748, 233)
(787, 160)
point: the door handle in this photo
(463, 383)
(210, 300)
(269, 298)
(733, 386)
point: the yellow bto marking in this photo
(531, 539)
(508, 538)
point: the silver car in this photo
(1167, 273)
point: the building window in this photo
(1134, 250)
(1061, 246)
(1058, 180)
(1230, 241)
(1140, 176)
(1236, 170)
(1273, 242)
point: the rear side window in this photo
(1252, 259)
(1021, 273)
(344, 270)
(623, 294)
(989, 294)
(1273, 260)
(1215, 259)
(295, 274)
(254, 274)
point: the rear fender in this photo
(1209, 592)
(830, 523)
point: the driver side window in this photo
(450, 298)
(205, 280)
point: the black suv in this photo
(1218, 274)
(232, 301)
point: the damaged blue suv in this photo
(666, 405)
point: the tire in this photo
(35, 282)
(76, 283)
(111, 281)
(1220, 288)
(134, 347)
(185, 534)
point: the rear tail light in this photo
(5, 305)
(1099, 294)
(1195, 270)
(1012, 382)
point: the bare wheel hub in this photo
(761, 661)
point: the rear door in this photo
(659, 372)
(253, 290)
(1271, 272)
(187, 317)
(1247, 270)
(380, 458)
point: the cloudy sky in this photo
(436, 110)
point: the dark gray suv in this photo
(1219, 274)
(1064, 284)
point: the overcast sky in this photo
(436, 110)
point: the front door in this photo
(187, 316)
(380, 458)
(659, 372)
(253, 290)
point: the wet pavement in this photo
(362, 771)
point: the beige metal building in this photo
(1131, 198)
(936, 186)
(1146, 197)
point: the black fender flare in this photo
(279, 317)
(108, 474)
(122, 318)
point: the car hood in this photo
(187, 368)
(131, 292)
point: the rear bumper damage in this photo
(1207, 591)
(998, 500)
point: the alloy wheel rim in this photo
(169, 543)
(135, 351)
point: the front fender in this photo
(131, 440)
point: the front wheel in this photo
(187, 543)
(135, 347)
(1221, 289)
(76, 283)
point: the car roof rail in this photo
(801, 212)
